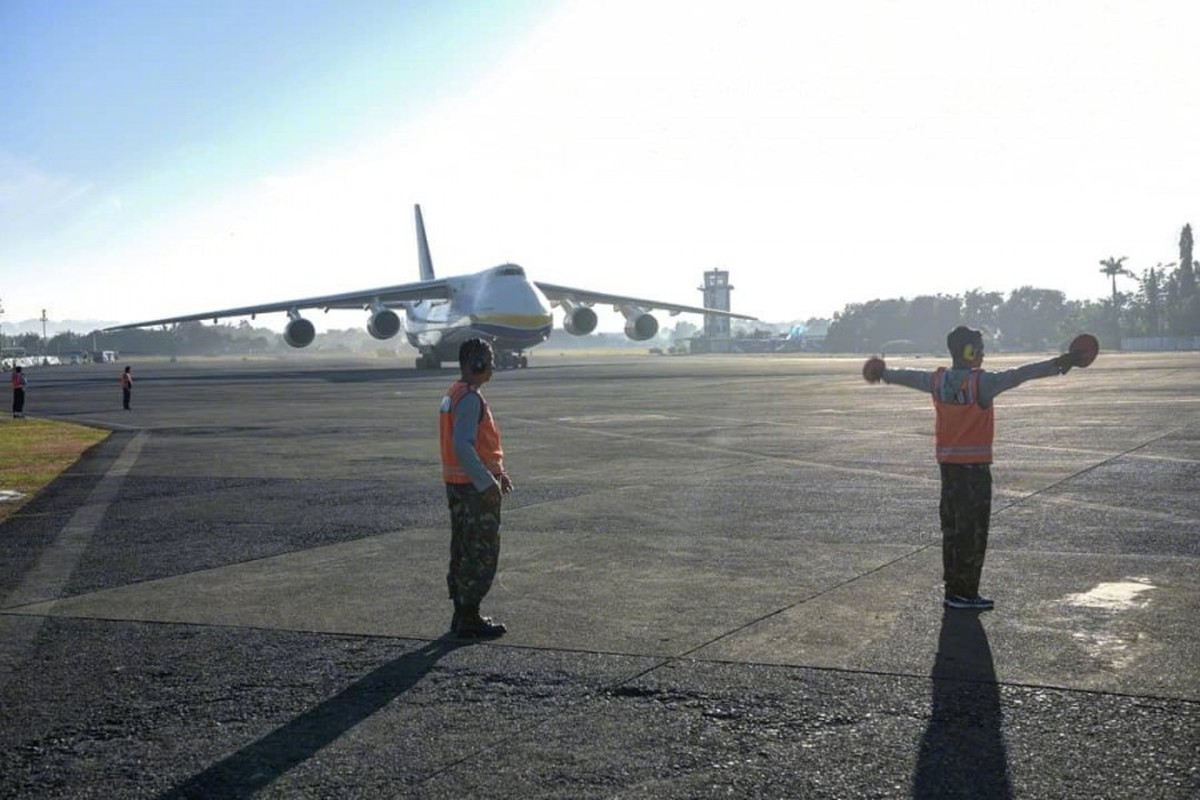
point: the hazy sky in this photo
(162, 158)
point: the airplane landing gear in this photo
(511, 359)
(505, 359)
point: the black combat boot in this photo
(472, 626)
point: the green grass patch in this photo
(33, 452)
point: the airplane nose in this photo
(514, 310)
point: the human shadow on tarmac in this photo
(260, 763)
(962, 752)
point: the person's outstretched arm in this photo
(919, 379)
(993, 383)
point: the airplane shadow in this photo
(260, 763)
(962, 752)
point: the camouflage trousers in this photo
(474, 544)
(965, 510)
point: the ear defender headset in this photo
(481, 356)
(974, 348)
(965, 345)
(480, 362)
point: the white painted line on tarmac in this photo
(48, 578)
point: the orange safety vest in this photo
(487, 440)
(964, 430)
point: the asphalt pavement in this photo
(721, 577)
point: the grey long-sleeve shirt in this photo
(466, 428)
(990, 383)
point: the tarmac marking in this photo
(1129, 453)
(1117, 651)
(594, 419)
(58, 562)
(1117, 648)
(1118, 596)
(1139, 513)
(1086, 452)
(1171, 401)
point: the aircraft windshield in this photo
(511, 269)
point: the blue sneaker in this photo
(975, 603)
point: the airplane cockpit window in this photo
(511, 269)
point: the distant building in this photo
(716, 290)
(10, 357)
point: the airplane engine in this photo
(299, 332)
(640, 326)
(384, 324)
(579, 321)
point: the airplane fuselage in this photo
(499, 304)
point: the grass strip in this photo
(33, 452)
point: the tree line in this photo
(185, 339)
(1164, 304)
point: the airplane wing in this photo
(386, 296)
(586, 296)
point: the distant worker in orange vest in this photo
(19, 383)
(963, 398)
(473, 470)
(126, 387)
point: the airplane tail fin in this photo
(423, 248)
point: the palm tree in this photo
(1114, 267)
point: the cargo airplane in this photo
(500, 304)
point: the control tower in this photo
(716, 290)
